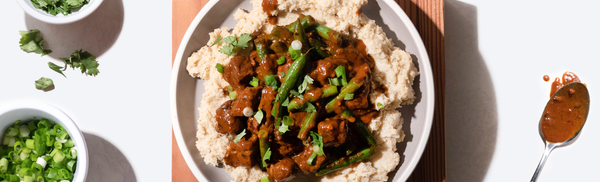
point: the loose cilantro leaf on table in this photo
(56, 68)
(84, 61)
(43, 83)
(55, 7)
(32, 41)
(234, 44)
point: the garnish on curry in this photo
(298, 100)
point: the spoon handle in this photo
(549, 148)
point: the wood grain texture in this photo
(428, 18)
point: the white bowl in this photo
(41, 15)
(26, 111)
(186, 92)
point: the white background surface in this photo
(124, 111)
(496, 55)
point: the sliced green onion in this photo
(232, 93)
(340, 71)
(379, 105)
(281, 60)
(349, 96)
(71, 165)
(11, 132)
(334, 81)
(265, 179)
(3, 165)
(254, 82)
(24, 130)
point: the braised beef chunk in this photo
(243, 152)
(282, 170)
(267, 66)
(283, 69)
(247, 98)
(239, 71)
(361, 96)
(226, 123)
(253, 125)
(333, 131)
(301, 159)
(326, 69)
(266, 105)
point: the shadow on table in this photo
(472, 116)
(95, 33)
(107, 163)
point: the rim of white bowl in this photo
(398, 11)
(59, 19)
(67, 123)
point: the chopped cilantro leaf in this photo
(295, 93)
(220, 68)
(243, 40)
(216, 41)
(379, 105)
(266, 157)
(286, 102)
(310, 108)
(239, 136)
(230, 39)
(227, 50)
(43, 83)
(32, 41)
(285, 122)
(304, 85)
(317, 141)
(271, 81)
(349, 97)
(56, 68)
(259, 116)
(282, 74)
(84, 61)
(254, 82)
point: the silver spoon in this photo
(576, 93)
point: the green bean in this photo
(362, 128)
(278, 33)
(300, 36)
(263, 141)
(277, 47)
(342, 162)
(309, 123)
(306, 22)
(328, 34)
(347, 89)
(329, 90)
(318, 48)
(261, 47)
(290, 81)
(297, 103)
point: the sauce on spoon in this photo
(566, 111)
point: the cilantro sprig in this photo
(266, 157)
(82, 60)
(233, 43)
(32, 41)
(55, 7)
(304, 85)
(317, 141)
(284, 124)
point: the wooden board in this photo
(428, 18)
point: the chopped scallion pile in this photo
(38, 150)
